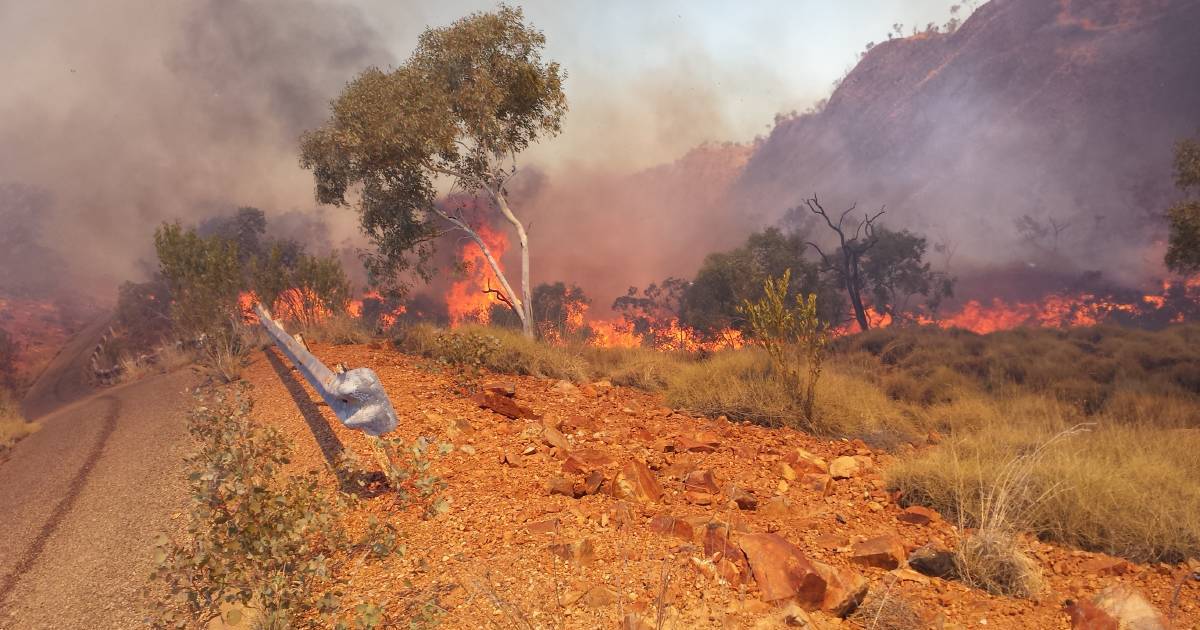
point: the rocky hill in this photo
(1062, 110)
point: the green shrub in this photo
(267, 543)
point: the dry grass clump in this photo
(13, 425)
(496, 349)
(741, 385)
(173, 356)
(1124, 489)
(339, 330)
(887, 611)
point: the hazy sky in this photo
(650, 79)
(131, 112)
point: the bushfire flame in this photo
(471, 298)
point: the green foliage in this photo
(554, 306)
(406, 467)
(256, 538)
(793, 336)
(653, 310)
(726, 280)
(10, 351)
(470, 98)
(1183, 218)
(261, 539)
(144, 311)
(468, 348)
(894, 271)
(245, 228)
(301, 287)
(204, 276)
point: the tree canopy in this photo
(471, 97)
(1183, 246)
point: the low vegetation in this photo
(13, 425)
(265, 547)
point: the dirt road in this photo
(81, 500)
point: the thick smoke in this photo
(122, 114)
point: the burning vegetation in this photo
(830, 321)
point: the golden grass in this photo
(339, 330)
(1125, 489)
(13, 425)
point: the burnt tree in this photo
(852, 246)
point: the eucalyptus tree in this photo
(452, 119)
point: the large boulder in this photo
(782, 571)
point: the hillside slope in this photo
(1065, 110)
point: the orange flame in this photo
(466, 300)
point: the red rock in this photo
(884, 552)
(782, 571)
(669, 525)
(507, 389)
(804, 462)
(599, 596)
(640, 434)
(686, 444)
(512, 458)
(744, 499)
(844, 589)
(592, 482)
(843, 467)
(542, 527)
(917, 515)
(635, 481)
(731, 571)
(777, 508)
(698, 498)
(818, 482)
(585, 460)
(504, 406)
(679, 469)
(578, 422)
(559, 485)
(552, 437)
(702, 481)
(1106, 565)
(580, 551)
(785, 471)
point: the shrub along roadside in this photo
(13, 425)
(260, 542)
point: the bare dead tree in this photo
(1057, 229)
(852, 246)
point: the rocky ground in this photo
(600, 508)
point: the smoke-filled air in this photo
(878, 314)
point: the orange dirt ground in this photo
(483, 566)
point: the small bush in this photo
(889, 610)
(496, 349)
(255, 538)
(264, 542)
(13, 425)
(339, 329)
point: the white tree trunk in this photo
(522, 307)
(526, 302)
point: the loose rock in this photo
(884, 552)
(843, 467)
